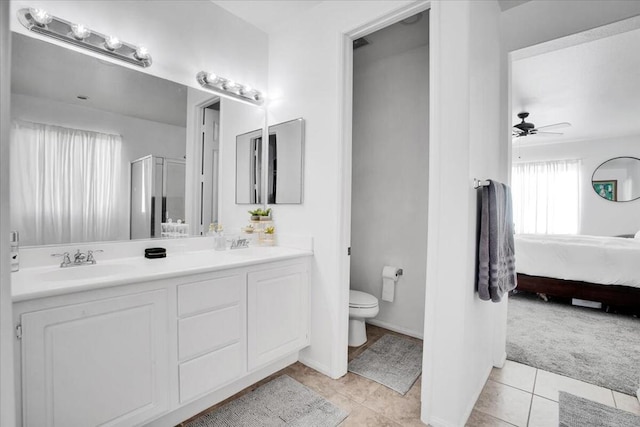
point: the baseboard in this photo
(395, 328)
(437, 422)
(501, 362)
(180, 414)
(476, 396)
(315, 365)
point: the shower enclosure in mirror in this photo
(618, 179)
(157, 196)
(78, 122)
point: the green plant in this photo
(260, 212)
(269, 230)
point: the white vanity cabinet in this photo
(278, 312)
(211, 333)
(102, 362)
(158, 351)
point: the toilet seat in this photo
(359, 299)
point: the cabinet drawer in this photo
(208, 331)
(209, 294)
(206, 373)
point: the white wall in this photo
(305, 63)
(7, 338)
(390, 177)
(235, 119)
(464, 336)
(598, 217)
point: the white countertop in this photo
(39, 282)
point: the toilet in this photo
(361, 306)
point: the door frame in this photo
(345, 163)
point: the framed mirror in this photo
(285, 162)
(618, 179)
(249, 168)
(82, 128)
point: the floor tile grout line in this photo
(509, 385)
(530, 408)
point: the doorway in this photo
(390, 161)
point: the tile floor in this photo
(367, 402)
(519, 395)
(516, 395)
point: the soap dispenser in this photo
(219, 242)
(14, 238)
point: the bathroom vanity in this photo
(132, 341)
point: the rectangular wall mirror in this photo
(249, 168)
(81, 125)
(285, 161)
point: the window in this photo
(546, 197)
(65, 184)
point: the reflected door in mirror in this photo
(249, 167)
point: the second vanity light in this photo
(229, 88)
(41, 22)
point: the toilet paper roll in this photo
(389, 279)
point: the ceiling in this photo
(594, 86)
(267, 15)
(48, 71)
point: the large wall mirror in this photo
(618, 179)
(98, 150)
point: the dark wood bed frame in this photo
(614, 295)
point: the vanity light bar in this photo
(41, 22)
(229, 87)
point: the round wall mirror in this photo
(618, 179)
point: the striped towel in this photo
(496, 250)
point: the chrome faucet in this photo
(78, 258)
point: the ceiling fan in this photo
(524, 129)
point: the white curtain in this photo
(65, 184)
(546, 197)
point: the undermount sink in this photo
(90, 271)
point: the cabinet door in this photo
(102, 363)
(278, 313)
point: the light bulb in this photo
(112, 43)
(41, 16)
(211, 78)
(80, 31)
(141, 53)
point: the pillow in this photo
(637, 236)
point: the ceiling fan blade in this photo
(547, 133)
(554, 126)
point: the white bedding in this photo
(594, 259)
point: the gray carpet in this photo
(581, 343)
(578, 412)
(281, 402)
(393, 361)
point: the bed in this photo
(594, 268)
